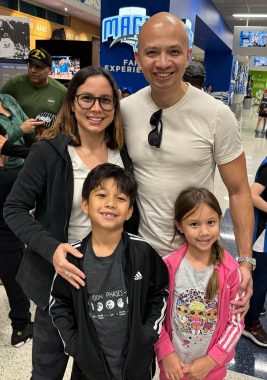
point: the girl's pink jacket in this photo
(229, 326)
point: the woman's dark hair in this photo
(66, 122)
(186, 203)
(123, 178)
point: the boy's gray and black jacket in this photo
(46, 184)
(147, 295)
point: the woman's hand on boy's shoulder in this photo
(173, 366)
(67, 270)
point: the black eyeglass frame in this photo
(95, 99)
(154, 137)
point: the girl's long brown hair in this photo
(66, 122)
(186, 203)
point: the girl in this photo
(199, 332)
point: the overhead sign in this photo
(124, 27)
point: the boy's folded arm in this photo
(61, 309)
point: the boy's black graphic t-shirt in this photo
(108, 304)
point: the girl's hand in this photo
(199, 368)
(173, 366)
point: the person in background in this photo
(11, 248)
(18, 126)
(126, 91)
(176, 136)
(262, 111)
(254, 329)
(11, 251)
(35, 91)
(208, 89)
(200, 332)
(87, 132)
(112, 334)
(195, 74)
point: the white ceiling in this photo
(226, 9)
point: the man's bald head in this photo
(160, 21)
(163, 55)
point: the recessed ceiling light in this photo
(66, 9)
(250, 15)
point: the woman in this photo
(87, 132)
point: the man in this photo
(36, 92)
(176, 135)
(195, 74)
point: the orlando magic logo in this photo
(125, 27)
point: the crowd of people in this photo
(113, 221)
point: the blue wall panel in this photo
(205, 10)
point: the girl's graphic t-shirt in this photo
(194, 317)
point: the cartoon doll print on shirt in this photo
(194, 314)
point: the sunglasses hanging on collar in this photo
(154, 137)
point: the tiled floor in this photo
(250, 360)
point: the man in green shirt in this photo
(35, 91)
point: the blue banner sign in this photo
(125, 27)
(121, 23)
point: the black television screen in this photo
(79, 50)
(64, 67)
(250, 38)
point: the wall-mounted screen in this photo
(250, 40)
(259, 61)
(9, 68)
(64, 67)
(68, 56)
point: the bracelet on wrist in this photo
(247, 259)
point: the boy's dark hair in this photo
(3, 132)
(123, 178)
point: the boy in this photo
(111, 325)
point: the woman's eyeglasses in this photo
(86, 101)
(154, 137)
